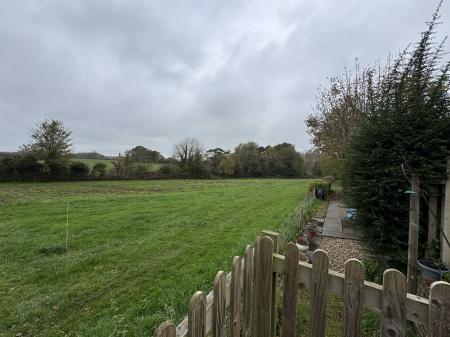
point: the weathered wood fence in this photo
(249, 295)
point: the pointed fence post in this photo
(197, 315)
(353, 298)
(439, 310)
(247, 290)
(319, 292)
(255, 284)
(394, 304)
(289, 317)
(275, 284)
(165, 329)
(235, 298)
(219, 305)
(263, 296)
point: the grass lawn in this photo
(137, 249)
(152, 167)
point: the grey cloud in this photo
(125, 73)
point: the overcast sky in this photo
(126, 73)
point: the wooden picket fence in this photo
(250, 292)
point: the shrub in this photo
(78, 171)
(7, 169)
(408, 124)
(28, 168)
(169, 171)
(56, 170)
(99, 170)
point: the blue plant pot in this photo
(430, 270)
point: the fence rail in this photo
(249, 292)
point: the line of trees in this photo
(247, 160)
(48, 157)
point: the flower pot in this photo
(431, 271)
(302, 248)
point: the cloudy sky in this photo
(150, 72)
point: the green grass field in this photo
(137, 249)
(152, 167)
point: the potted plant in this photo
(312, 233)
(302, 244)
(431, 270)
(321, 189)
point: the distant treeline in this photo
(48, 157)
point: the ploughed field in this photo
(137, 250)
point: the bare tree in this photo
(189, 152)
(339, 109)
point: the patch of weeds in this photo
(291, 228)
(371, 324)
(374, 270)
(333, 315)
(52, 250)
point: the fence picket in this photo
(247, 290)
(353, 298)
(393, 304)
(275, 281)
(263, 298)
(255, 284)
(256, 280)
(235, 298)
(319, 291)
(289, 316)
(219, 305)
(439, 310)
(197, 315)
(165, 329)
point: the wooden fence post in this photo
(263, 296)
(197, 315)
(393, 304)
(413, 238)
(219, 305)
(165, 329)
(289, 316)
(247, 289)
(445, 224)
(432, 226)
(235, 298)
(353, 298)
(439, 314)
(275, 284)
(319, 292)
(255, 284)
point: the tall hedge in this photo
(408, 123)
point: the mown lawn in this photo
(137, 249)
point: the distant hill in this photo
(89, 155)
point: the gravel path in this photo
(340, 250)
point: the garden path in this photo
(333, 226)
